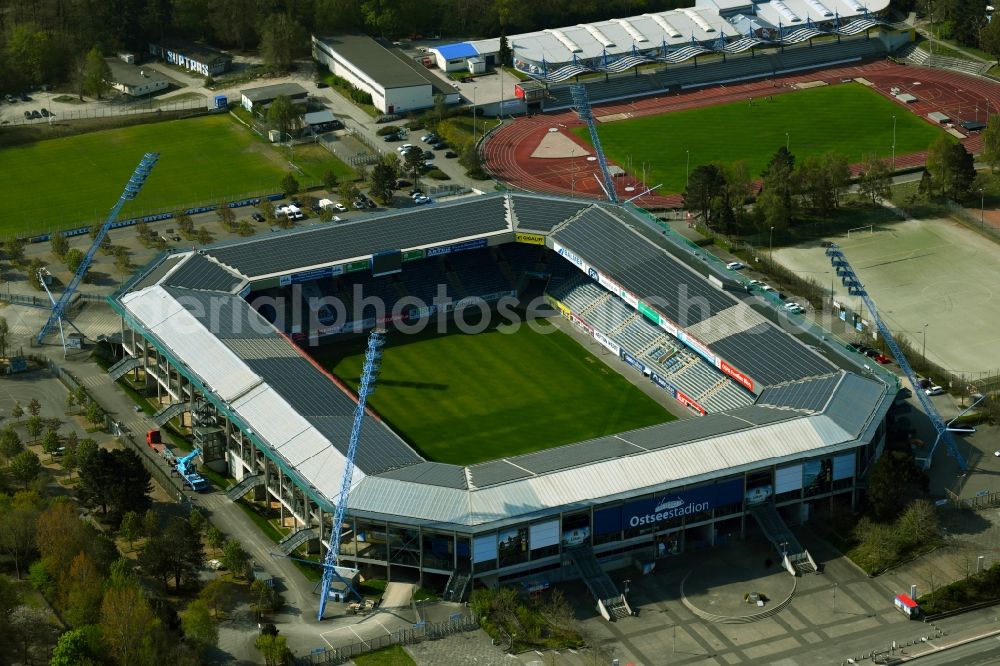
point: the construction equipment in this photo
(854, 287)
(331, 568)
(185, 467)
(131, 190)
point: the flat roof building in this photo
(132, 80)
(396, 83)
(256, 99)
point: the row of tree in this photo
(730, 201)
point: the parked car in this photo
(35, 114)
(735, 266)
(258, 217)
(359, 204)
(934, 390)
(794, 308)
(45, 113)
(882, 359)
(426, 138)
(10, 99)
(370, 203)
(405, 147)
(400, 184)
(25, 97)
(27, 115)
(322, 84)
(428, 155)
(421, 200)
(339, 207)
(451, 154)
(389, 138)
(415, 193)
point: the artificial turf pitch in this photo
(848, 118)
(68, 182)
(463, 399)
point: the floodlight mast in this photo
(855, 288)
(582, 103)
(373, 361)
(131, 190)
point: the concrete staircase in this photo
(457, 585)
(610, 602)
(243, 487)
(794, 557)
(169, 412)
(123, 367)
(296, 539)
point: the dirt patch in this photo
(557, 145)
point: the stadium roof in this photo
(301, 417)
(677, 27)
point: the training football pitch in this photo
(68, 182)
(847, 118)
(463, 399)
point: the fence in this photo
(984, 499)
(112, 109)
(421, 631)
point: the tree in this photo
(177, 553)
(200, 629)
(505, 56)
(17, 411)
(130, 528)
(59, 244)
(25, 467)
(235, 559)
(81, 396)
(197, 521)
(116, 481)
(215, 538)
(348, 192)
(775, 205)
(919, 522)
(281, 115)
(86, 449)
(703, 187)
(61, 536)
(29, 626)
(150, 523)
(261, 596)
(217, 594)
(330, 180)
(34, 407)
(70, 402)
(289, 184)
(82, 591)
(876, 180)
(413, 161)
(77, 647)
(128, 624)
(383, 182)
(95, 414)
(990, 39)
(991, 135)
(33, 426)
(894, 481)
(280, 40)
(35, 268)
(18, 530)
(273, 648)
(10, 444)
(73, 259)
(96, 73)
(50, 444)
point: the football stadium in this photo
(569, 470)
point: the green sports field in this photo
(847, 118)
(68, 182)
(464, 399)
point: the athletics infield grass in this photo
(464, 399)
(68, 182)
(847, 118)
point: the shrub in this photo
(437, 174)
(387, 130)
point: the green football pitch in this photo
(69, 182)
(847, 118)
(463, 399)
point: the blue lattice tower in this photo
(373, 361)
(132, 188)
(582, 102)
(850, 280)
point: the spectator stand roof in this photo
(301, 417)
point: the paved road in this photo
(974, 653)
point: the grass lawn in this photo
(846, 118)
(314, 159)
(464, 399)
(68, 182)
(392, 656)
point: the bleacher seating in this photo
(744, 66)
(477, 275)
(637, 335)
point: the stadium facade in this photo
(783, 420)
(674, 36)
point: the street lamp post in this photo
(923, 351)
(982, 209)
(894, 143)
(474, 89)
(787, 141)
(687, 168)
(770, 245)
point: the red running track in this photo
(507, 152)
